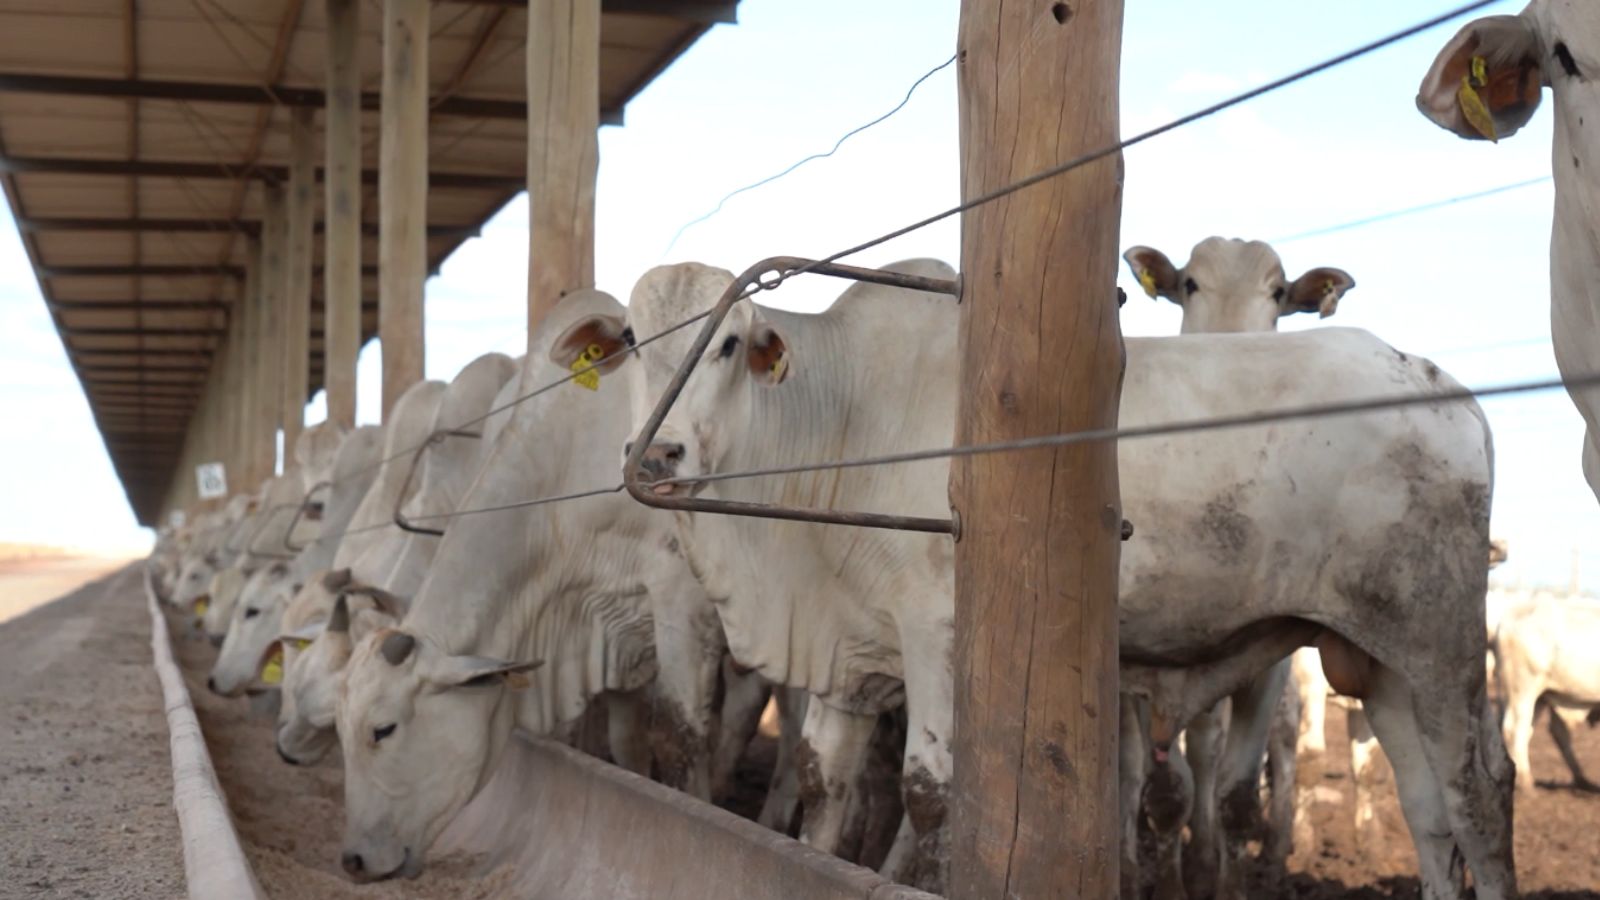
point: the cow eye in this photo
(729, 345)
(1277, 294)
(1190, 286)
(250, 612)
(378, 734)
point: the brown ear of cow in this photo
(396, 646)
(1509, 91)
(768, 355)
(609, 335)
(336, 579)
(1155, 273)
(1318, 291)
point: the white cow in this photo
(396, 562)
(290, 540)
(1486, 84)
(1365, 533)
(1544, 653)
(592, 588)
(1227, 286)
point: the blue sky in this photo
(1466, 285)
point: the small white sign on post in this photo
(213, 480)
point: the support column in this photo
(563, 149)
(403, 195)
(256, 429)
(300, 210)
(1034, 811)
(341, 273)
(274, 283)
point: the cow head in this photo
(226, 586)
(1234, 285)
(194, 581)
(421, 731)
(1486, 82)
(253, 631)
(337, 612)
(746, 354)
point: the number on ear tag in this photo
(591, 378)
(1472, 106)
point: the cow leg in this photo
(1239, 783)
(1281, 775)
(1521, 707)
(1133, 754)
(689, 651)
(626, 716)
(1389, 709)
(783, 790)
(1363, 756)
(744, 696)
(833, 747)
(1312, 687)
(1169, 800)
(1203, 743)
(1562, 734)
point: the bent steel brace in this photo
(405, 486)
(300, 511)
(779, 268)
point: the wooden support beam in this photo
(245, 94)
(143, 306)
(403, 195)
(709, 12)
(563, 69)
(300, 208)
(1034, 800)
(140, 271)
(342, 237)
(274, 283)
(207, 226)
(153, 168)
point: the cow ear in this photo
(767, 354)
(1486, 82)
(477, 671)
(339, 618)
(335, 579)
(598, 338)
(1318, 291)
(1156, 274)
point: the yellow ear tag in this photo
(779, 368)
(1472, 106)
(1148, 282)
(272, 671)
(590, 379)
(200, 607)
(1330, 300)
(301, 643)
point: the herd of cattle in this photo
(1358, 542)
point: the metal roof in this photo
(135, 136)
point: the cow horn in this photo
(339, 619)
(384, 600)
(336, 579)
(397, 646)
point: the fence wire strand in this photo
(1042, 441)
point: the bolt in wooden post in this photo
(563, 149)
(341, 278)
(1034, 806)
(402, 195)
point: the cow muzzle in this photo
(661, 461)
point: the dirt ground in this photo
(85, 770)
(85, 784)
(1557, 832)
(28, 582)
